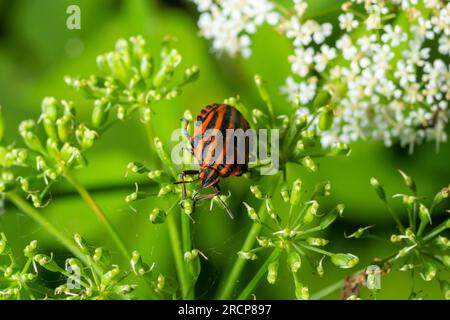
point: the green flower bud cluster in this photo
(53, 144)
(91, 276)
(292, 234)
(132, 79)
(422, 244)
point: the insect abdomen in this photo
(209, 151)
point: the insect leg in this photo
(212, 195)
(183, 182)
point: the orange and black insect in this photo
(216, 150)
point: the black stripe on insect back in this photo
(205, 141)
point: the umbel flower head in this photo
(388, 70)
(422, 244)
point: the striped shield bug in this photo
(220, 147)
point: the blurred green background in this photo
(37, 50)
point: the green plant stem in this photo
(86, 196)
(328, 290)
(187, 246)
(178, 255)
(437, 230)
(394, 216)
(257, 278)
(227, 289)
(25, 207)
(186, 283)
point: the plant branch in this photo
(86, 196)
(239, 264)
(25, 207)
(257, 278)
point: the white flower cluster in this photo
(387, 86)
(389, 70)
(228, 23)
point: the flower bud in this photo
(340, 149)
(442, 242)
(260, 119)
(125, 289)
(296, 192)
(323, 98)
(102, 256)
(100, 112)
(110, 276)
(189, 256)
(326, 118)
(50, 108)
(135, 196)
(137, 167)
(65, 127)
(298, 149)
(187, 206)
(146, 66)
(79, 241)
(294, 261)
(317, 242)
(301, 291)
(136, 264)
(359, 233)
(272, 272)
(404, 251)
(445, 288)
(137, 46)
(160, 151)
(256, 190)
(309, 138)
(311, 212)
(378, 188)
(251, 213)
(326, 221)
(85, 136)
(74, 266)
(285, 192)
(4, 247)
(309, 164)
(319, 268)
(121, 112)
(264, 242)
(165, 189)
(322, 189)
(155, 175)
(409, 182)
(157, 216)
(161, 282)
(30, 249)
(30, 138)
(429, 271)
(271, 210)
(406, 267)
(424, 216)
(191, 74)
(247, 255)
(440, 196)
(344, 260)
(47, 262)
